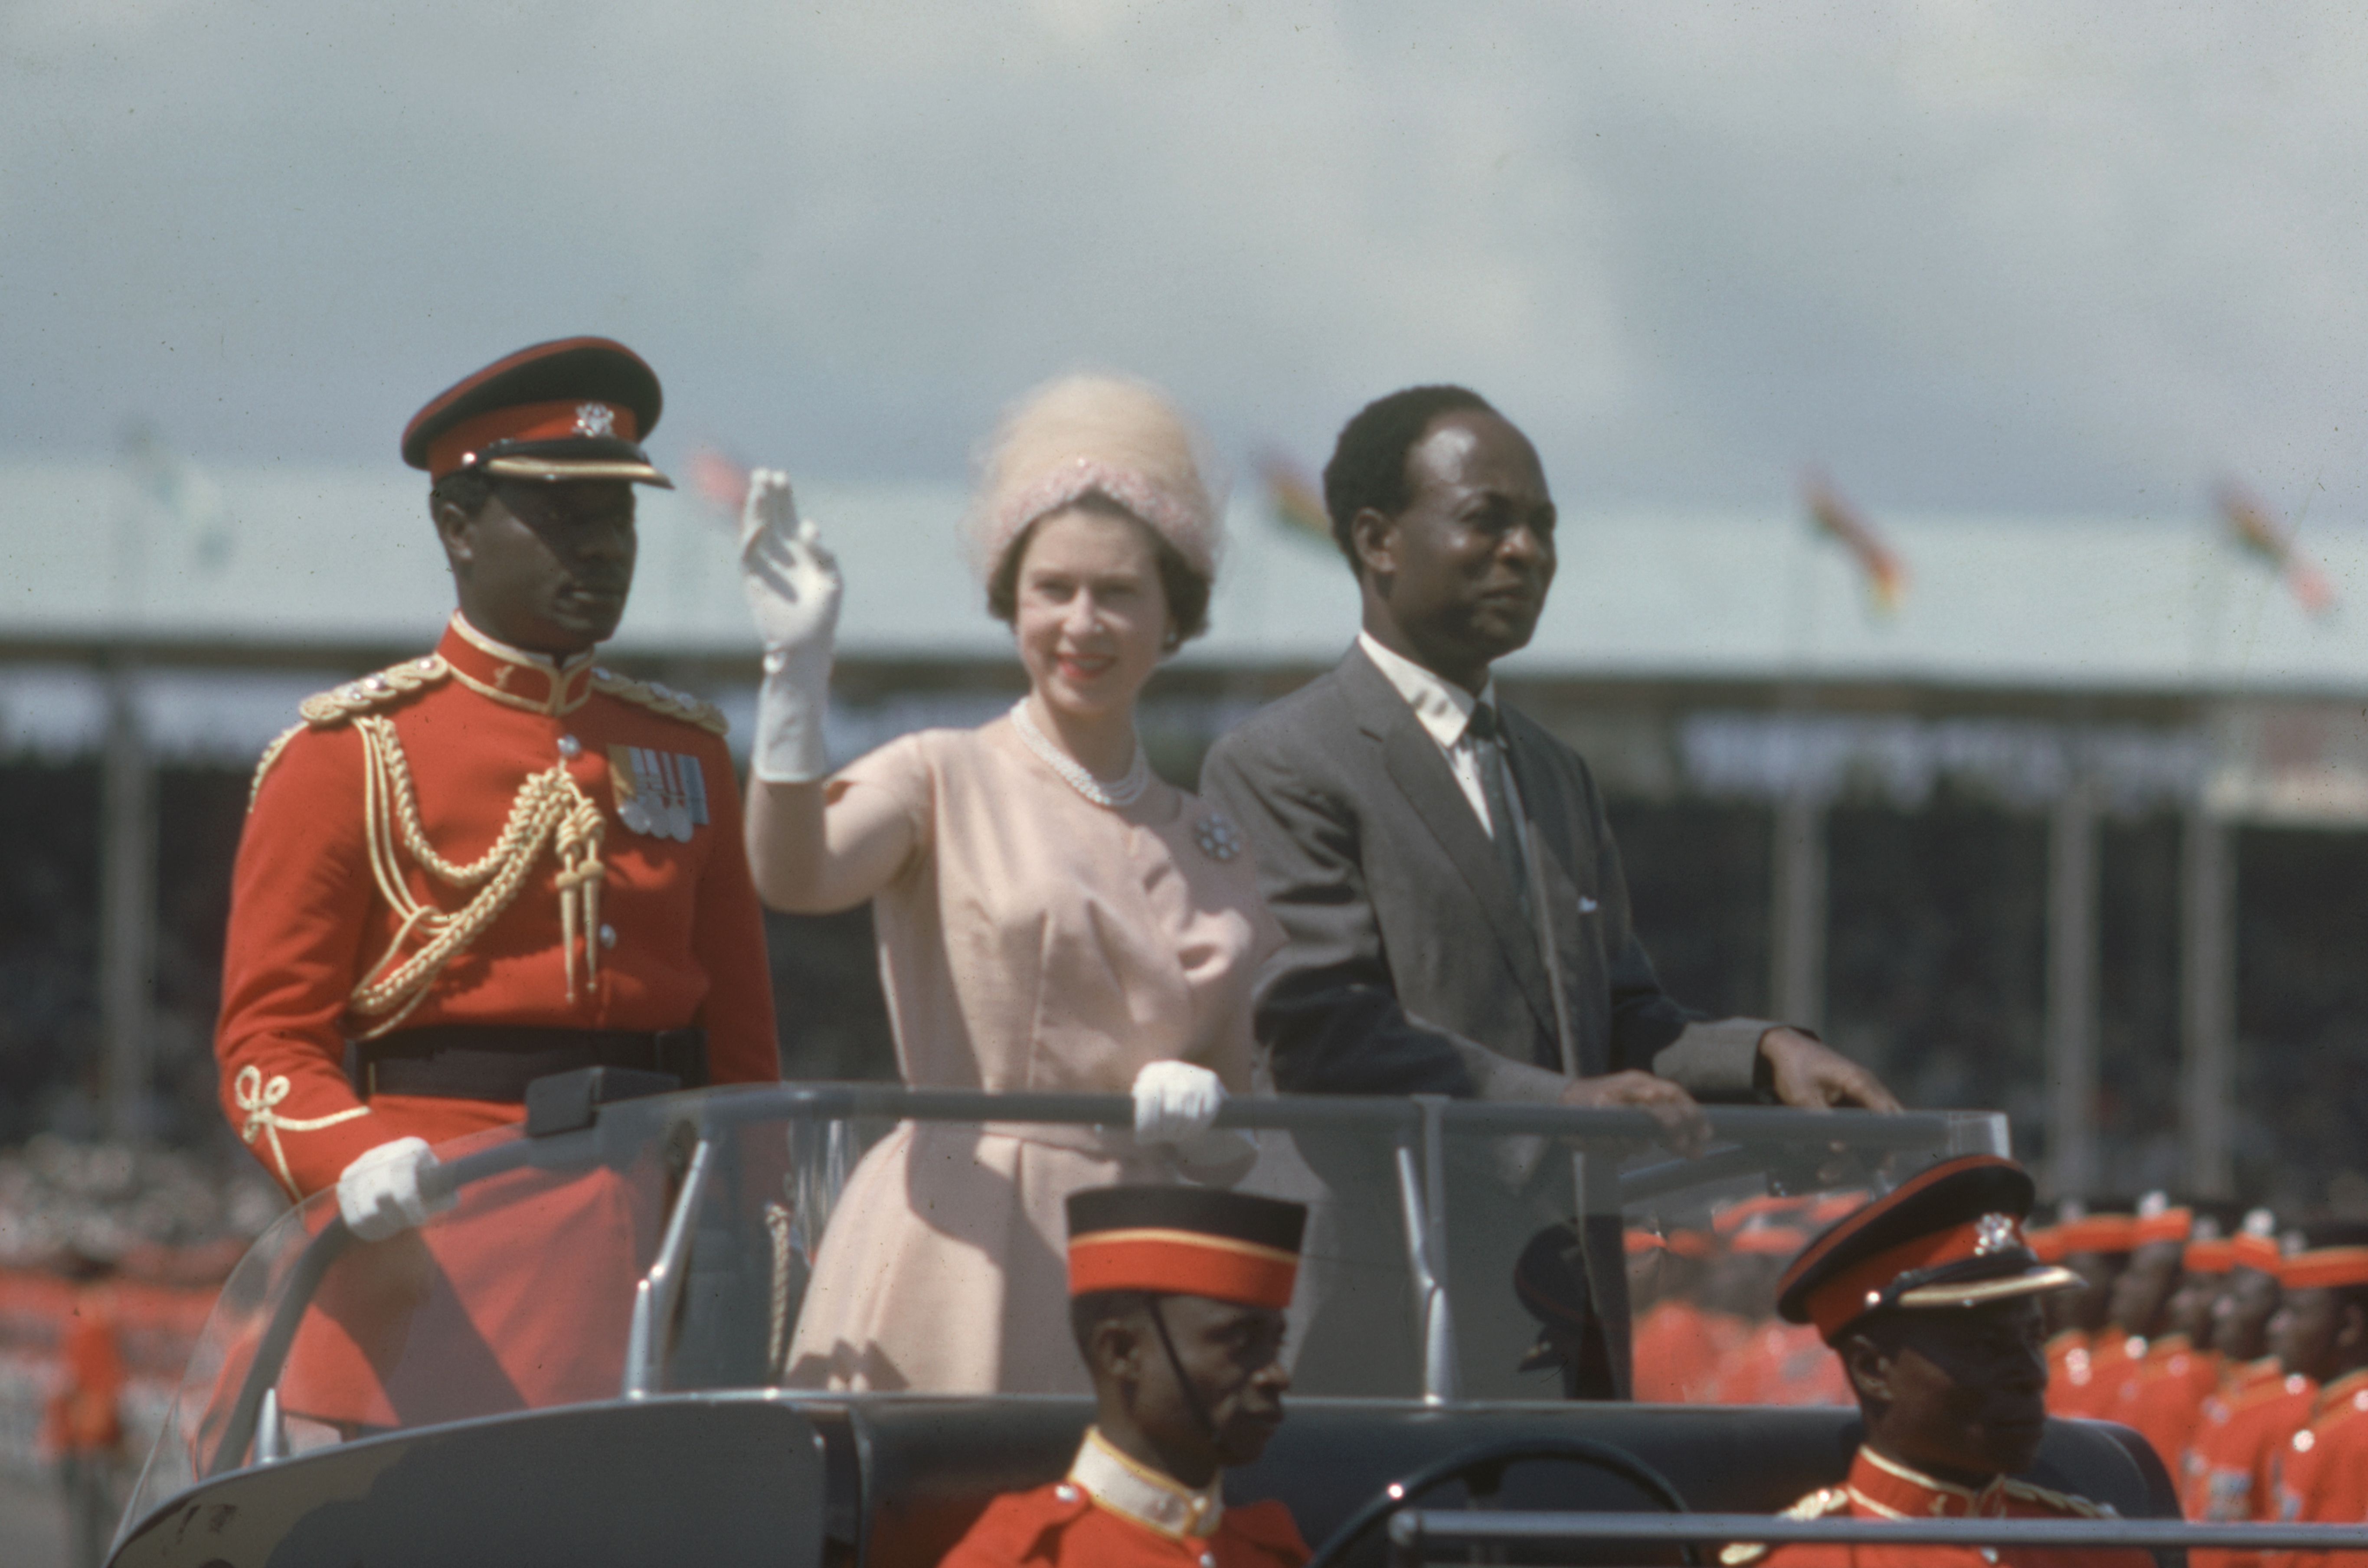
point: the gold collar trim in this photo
(1135, 1490)
(535, 683)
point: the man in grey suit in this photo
(1440, 864)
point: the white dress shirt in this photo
(1444, 709)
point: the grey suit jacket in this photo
(1410, 967)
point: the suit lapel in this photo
(1422, 776)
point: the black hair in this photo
(1185, 588)
(1095, 1308)
(1369, 461)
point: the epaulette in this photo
(663, 700)
(1816, 1505)
(324, 710)
(2065, 1501)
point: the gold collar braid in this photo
(550, 806)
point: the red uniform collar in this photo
(535, 682)
(2345, 1397)
(1893, 1491)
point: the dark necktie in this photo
(1489, 746)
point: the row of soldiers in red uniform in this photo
(1706, 1327)
(2242, 1359)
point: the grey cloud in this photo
(2021, 256)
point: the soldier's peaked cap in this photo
(1949, 1236)
(1185, 1241)
(573, 408)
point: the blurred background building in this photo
(2063, 815)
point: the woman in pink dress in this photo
(1052, 916)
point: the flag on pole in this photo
(718, 479)
(1292, 499)
(1886, 573)
(2271, 542)
(185, 492)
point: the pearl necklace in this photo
(1128, 790)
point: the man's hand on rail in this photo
(1683, 1125)
(1808, 1074)
(379, 1194)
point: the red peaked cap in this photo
(573, 408)
(1949, 1236)
(1185, 1241)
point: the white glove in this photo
(791, 585)
(378, 1193)
(1175, 1102)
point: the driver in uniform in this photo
(1926, 1294)
(491, 862)
(1176, 1298)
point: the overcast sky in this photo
(2032, 256)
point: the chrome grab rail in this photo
(656, 1293)
(1416, 1532)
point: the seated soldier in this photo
(1926, 1294)
(1175, 1297)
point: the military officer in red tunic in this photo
(1926, 1295)
(2095, 1248)
(2321, 1476)
(496, 860)
(2258, 1405)
(1177, 1296)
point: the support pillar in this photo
(1797, 978)
(126, 908)
(2072, 950)
(2207, 1014)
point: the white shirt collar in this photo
(1443, 707)
(1139, 1493)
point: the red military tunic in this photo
(1114, 1513)
(2165, 1400)
(1675, 1354)
(2071, 1374)
(1783, 1363)
(1879, 1488)
(84, 1413)
(2113, 1364)
(2226, 1476)
(626, 914)
(2322, 1471)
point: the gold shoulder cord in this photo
(662, 699)
(1816, 1505)
(550, 807)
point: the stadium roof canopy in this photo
(317, 565)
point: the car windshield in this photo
(669, 1246)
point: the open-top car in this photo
(586, 1359)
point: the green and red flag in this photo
(1292, 499)
(2261, 535)
(1886, 573)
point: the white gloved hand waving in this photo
(379, 1194)
(791, 584)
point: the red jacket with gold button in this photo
(480, 837)
(1879, 1488)
(2226, 1478)
(2322, 1471)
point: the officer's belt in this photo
(496, 1061)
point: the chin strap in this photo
(1175, 1365)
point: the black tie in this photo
(1489, 743)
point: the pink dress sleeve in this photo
(903, 770)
